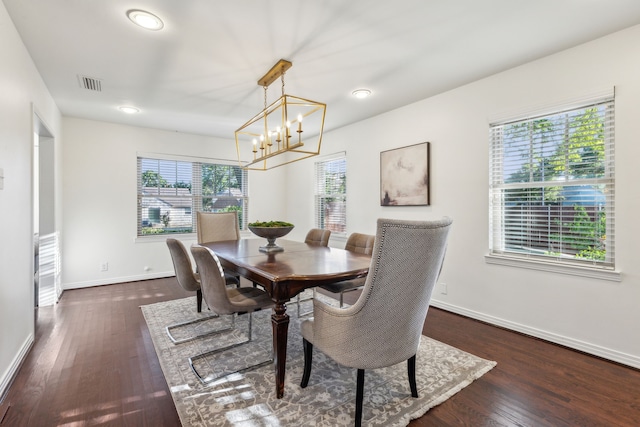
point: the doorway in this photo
(46, 264)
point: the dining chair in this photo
(226, 301)
(358, 243)
(190, 282)
(218, 227)
(384, 326)
(319, 237)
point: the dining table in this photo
(284, 275)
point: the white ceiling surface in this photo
(199, 74)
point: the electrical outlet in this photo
(443, 288)
(104, 266)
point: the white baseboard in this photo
(596, 350)
(114, 280)
(6, 380)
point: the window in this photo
(170, 192)
(552, 187)
(331, 194)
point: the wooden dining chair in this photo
(385, 324)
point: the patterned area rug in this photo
(248, 399)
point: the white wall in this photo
(22, 91)
(597, 316)
(593, 315)
(100, 177)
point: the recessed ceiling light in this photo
(128, 109)
(361, 93)
(145, 19)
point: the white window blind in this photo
(170, 192)
(331, 194)
(552, 187)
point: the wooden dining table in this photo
(284, 275)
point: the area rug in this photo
(248, 399)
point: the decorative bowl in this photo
(271, 234)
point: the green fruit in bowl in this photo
(271, 230)
(270, 224)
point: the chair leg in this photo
(206, 380)
(359, 397)
(191, 322)
(308, 356)
(411, 368)
(347, 290)
(232, 279)
(298, 301)
(199, 300)
(237, 277)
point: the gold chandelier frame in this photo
(273, 137)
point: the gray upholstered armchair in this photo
(385, 324)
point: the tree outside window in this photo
(551, 186)
(170, 192)
(331, 194)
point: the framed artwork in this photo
(404, 176)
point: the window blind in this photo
(170, 192)
(331, 194)
(552, 187)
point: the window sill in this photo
(152, 238)
(572, 270)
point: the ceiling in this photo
(199, 73)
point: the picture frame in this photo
(404, 176)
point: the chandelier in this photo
(287, 130)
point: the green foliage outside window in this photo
(171, 191)
(549, 181)
(587, 236)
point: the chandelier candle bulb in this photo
(299, 129)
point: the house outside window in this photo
(552, 187)
(170, 192)
(331, 194)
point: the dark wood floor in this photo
(93, 363)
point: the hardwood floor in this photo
(93, 363)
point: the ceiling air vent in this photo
(90, 83)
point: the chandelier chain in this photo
(282, 78)
(265, 96)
